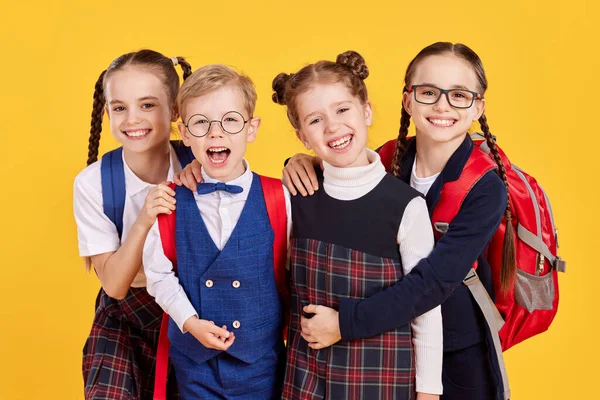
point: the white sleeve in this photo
(161, 281)
(95, 231)
(288, 210)
(415, 238)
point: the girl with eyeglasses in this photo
(443, 95)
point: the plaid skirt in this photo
(119, 355)
(380, 367)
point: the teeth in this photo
(217, 161)
(341, 143)
(442, 122)
(137, 133)
(217, 149)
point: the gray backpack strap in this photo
(493, 319)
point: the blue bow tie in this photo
(204, 188)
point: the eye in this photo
(148, 106)
(459, 95)
(314, 121)
(230, 119)
(343, 110)
(118, 108)
(201, 121)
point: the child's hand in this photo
(160, 200)
(323, 329)
(299, 173)
(427, 396)
(210, 335)
(189, 176)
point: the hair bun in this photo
(355, 62)
(278, 86)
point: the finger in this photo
(163, 194)
(160, 202)
(287, 181)
(304, 323)
(312, 176)
(166, 186)
(197, 171)
(308, 338)
(213, 342)
(311, 309)
(303, 174)
(218, 331)
(316, 345)
(176, 179)
(298, 183)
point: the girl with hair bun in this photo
(352, 240)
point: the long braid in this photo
(96, 124)
(400, 142)
(509, 262)
(185, 66)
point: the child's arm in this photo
(116, 264)
(299, 174)
(189, 176)
(164, 286)
(415, 239)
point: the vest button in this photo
(235, 284)
(209, 283)
(236, 324)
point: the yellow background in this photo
(542, 105)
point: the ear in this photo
(407, 102)
(368, 113)
(480, 108)
(187, 140)
(303, 139)
(174, 114)
(253, 126)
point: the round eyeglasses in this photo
(199, 125)
(457, 98)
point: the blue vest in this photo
(210, 279)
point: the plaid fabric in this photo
(380, 367)
(119, 354)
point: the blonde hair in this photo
(209, 78)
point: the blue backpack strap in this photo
(113, 187)
(183, 152)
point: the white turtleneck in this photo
(415, 240)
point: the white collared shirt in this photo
(96, 232)
(220, 212)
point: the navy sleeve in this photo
(434, 278)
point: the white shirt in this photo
(421, 184)
(415, 240)
(96, 232)
(220, 212)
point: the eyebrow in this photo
(140, 99)
(339, 103)
(462, 87)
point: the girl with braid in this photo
(351, 241)
(137, 91)
(443, 95)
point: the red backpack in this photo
(530, 305)
(276, 209)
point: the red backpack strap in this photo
(386, 153)
(276, 209)
(454, 193)
(166, 226)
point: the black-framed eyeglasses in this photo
(199, 125)
(457, 98)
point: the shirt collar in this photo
(135, 185)
(244, 180)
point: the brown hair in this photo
(161, 65)
(463, 52)
(209, 78)
(349, 68)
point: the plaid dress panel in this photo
(119, 355)
(380, 367)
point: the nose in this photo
(443, 103)
(215, 130)
(332, 125)
(133, 117)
